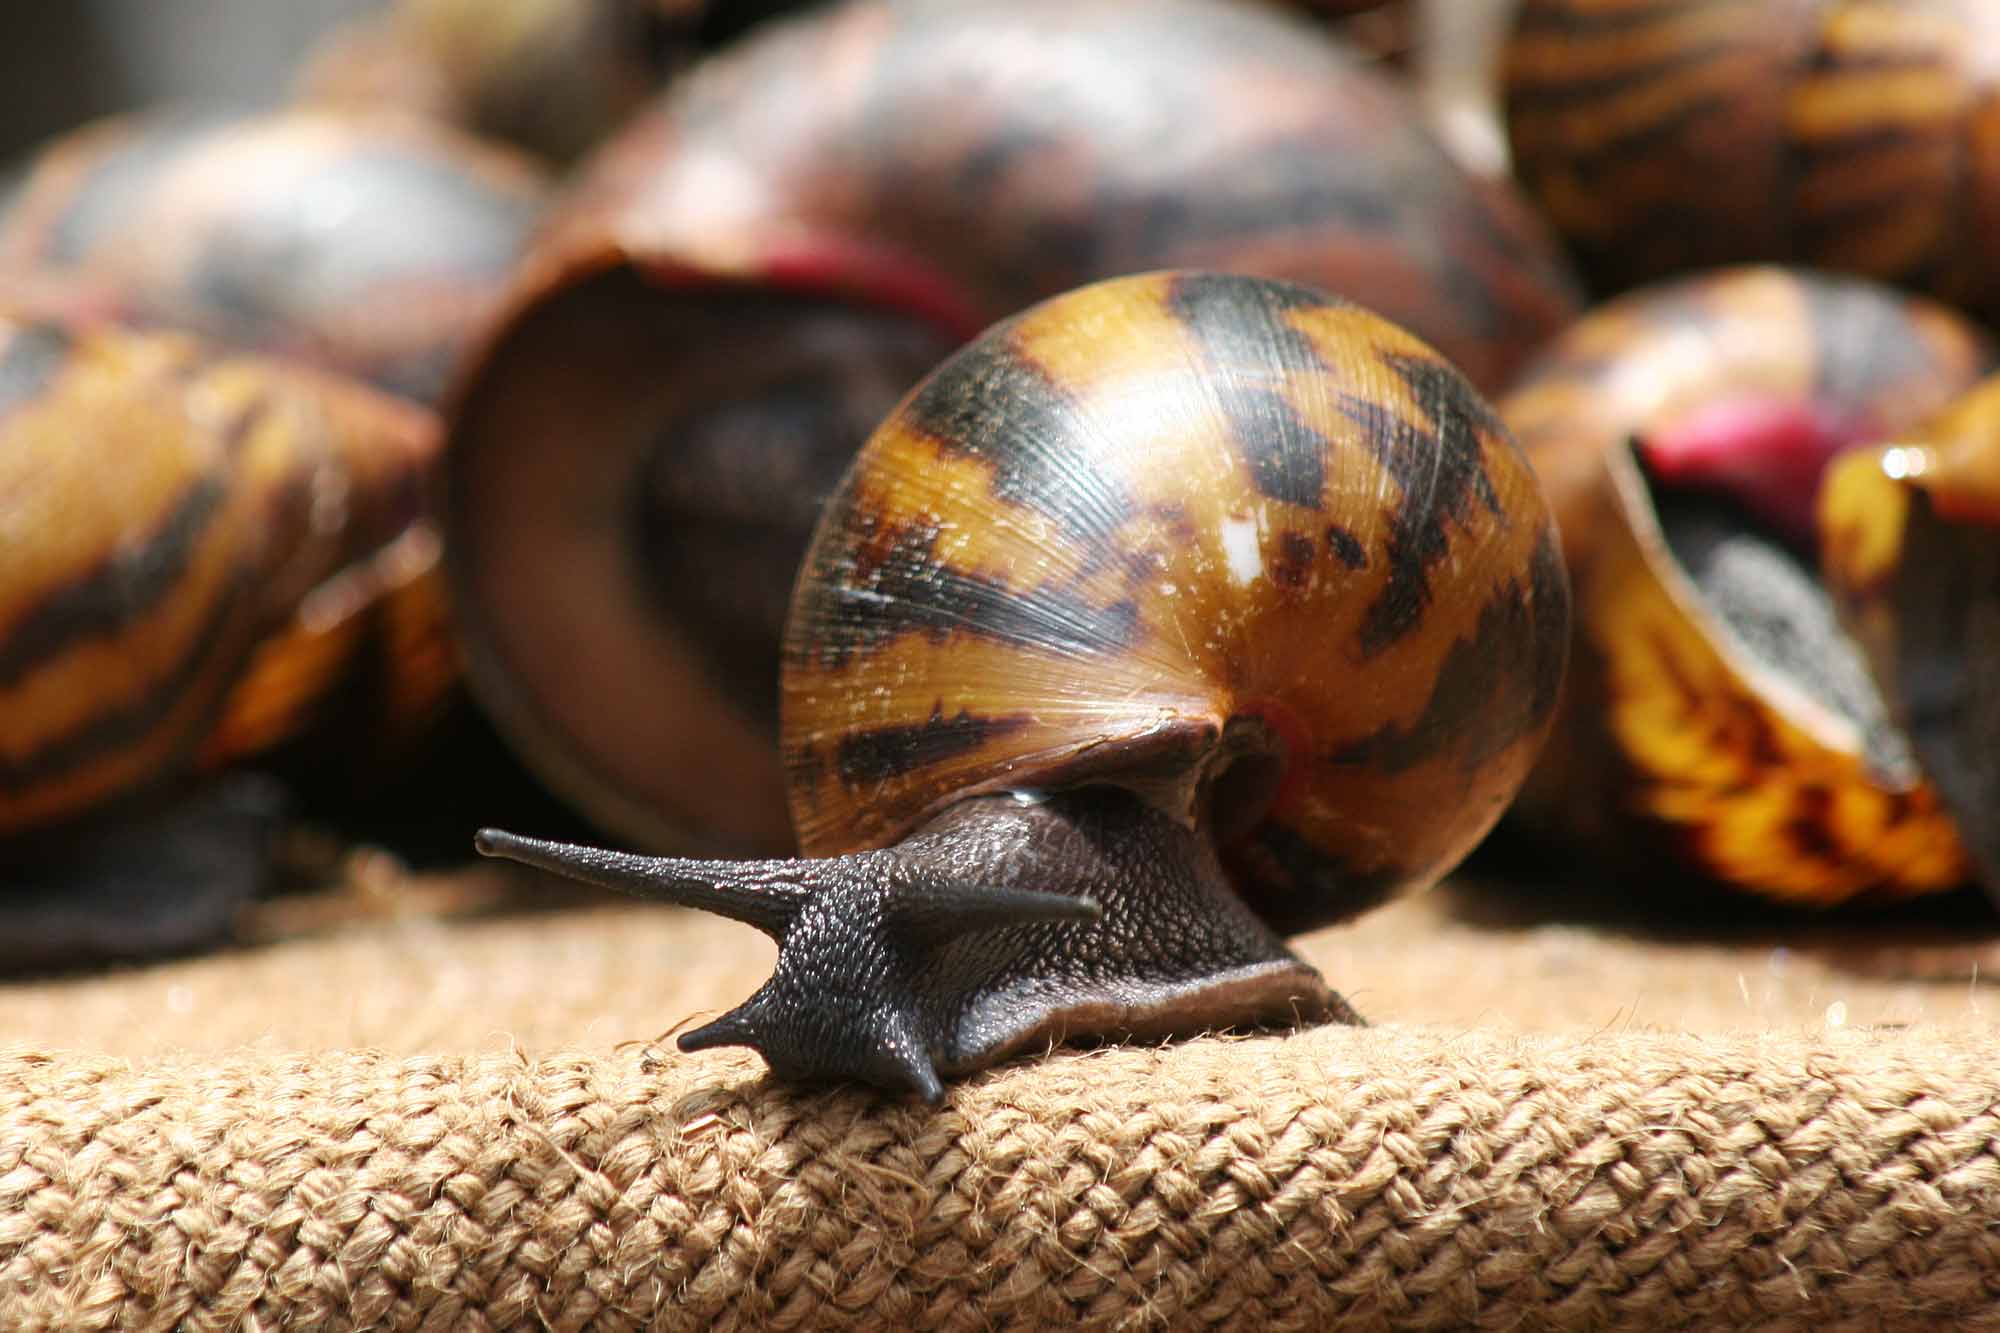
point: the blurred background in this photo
(62, 61)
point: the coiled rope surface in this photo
(1430, 1175)
(1417, 1178)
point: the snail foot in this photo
(1006, 923)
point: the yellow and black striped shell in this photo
(1912, 555)
(1673, 730)
(194, 546)
(370, 245)
(746, 280)
(1861, 136)
(1164, 524)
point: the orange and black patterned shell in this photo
(1861, 136)
(1670, 730)
(1099, 541)
(370, 245)
(1912, 555)
(191, 543)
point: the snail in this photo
(1716, 716)
(1174, 613)
(1662, 136)
(746, 280)
(1912, 555)
(371, 245)
(198, 547)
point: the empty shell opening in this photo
(1771, 600)
(745, 454)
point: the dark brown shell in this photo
(1163, 524)
(1676, 736)
(1912, 554)
(370, 245)
(193, 543)
(1861, 136)
(838, 202)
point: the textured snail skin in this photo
(1673, 733)
(1176, 613)
(195, 546)
(1912, 554)
(777, 249)
(369, 245)
(1860, 136)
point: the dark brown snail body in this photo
(1861, 136)
(1912, 554)
(1713, 710)
(1176, 612)
(370, 245)
(196, 546)
(748, 278)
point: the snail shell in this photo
(369, 245)
(194, 543)
(1912, 555)
(1713, 708)
(1160, 510)
(1174, 613)
(746, 280)
(1853, 135)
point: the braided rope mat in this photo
(416, 1124)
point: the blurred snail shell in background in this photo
(553, 76)
(371, 245)
(1861, 136)
(1713, 708)
(742, 284)
(1912, 555)
(194, 542)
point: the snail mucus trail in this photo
(1174, 613)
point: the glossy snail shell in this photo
(1677, 730)
(1163, 523)
(1912, 555)
(369, 245)
(193, 542)
(746, 280)
(1859, 136)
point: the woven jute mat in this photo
(395, 1117)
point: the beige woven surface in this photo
(409, 1122)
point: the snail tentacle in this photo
(764, 894)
